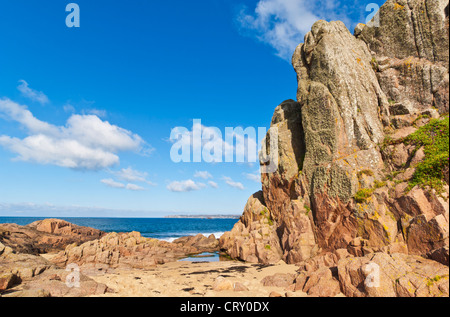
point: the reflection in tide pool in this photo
(206, 257)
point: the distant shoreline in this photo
(204, 216)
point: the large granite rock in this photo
(199, 242)
(411, 55)
(45, 236)
(123, 250)
(372, 275)
(397, 275)
(254, 237)
(345, 160)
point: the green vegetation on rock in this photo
(363, 195)
(434, 138)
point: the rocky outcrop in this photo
(399, 275)
(45, 236)
(86, 251)
(356, 174)
(124, 250)
(373, 275)
(199, 242)
(254, 237)
(64, 228)
(410, 48)
(27, 275)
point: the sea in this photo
(167, 229)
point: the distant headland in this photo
(205, 216)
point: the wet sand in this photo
(185, 279)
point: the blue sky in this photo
(86, 113)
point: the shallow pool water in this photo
(205, 257)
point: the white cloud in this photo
(202, 174)
(32, 94)
(134, 187)
(97, 112)
(48, 210)
(112, 183)
(85, 142)
(283, 23)
(131, 175)
(21, 114)
(213, 184)
(184, 186)
(233, 184)
(69, 108)
(256, 177)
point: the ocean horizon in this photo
(167, 229)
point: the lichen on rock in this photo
(348, 169)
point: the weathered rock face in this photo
(345, 162)
(372, 275)
(401, 276)
(45, 236)
(254, 237)
(26, 275)
(412, 58)
(411, 28)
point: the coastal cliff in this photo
(363, 154)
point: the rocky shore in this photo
(127, 264)
(37, 259)
(358, 207)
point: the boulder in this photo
(395, 275)
(320, 283)
(200, 242)
(7, 280)
(45, 236)
(61, 227)
(278, 280)
(53, 283)
(222, 284)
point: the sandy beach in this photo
(196, 279)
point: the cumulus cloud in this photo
(232, 183)
(85, 142)
(203, 174)
(131, 175)
(256, 177)
(283, 24)
(97, 112)
(69, 108)
(134, 187)
(112, 183)
(213, 184)
(184, 186)
(32, 94)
